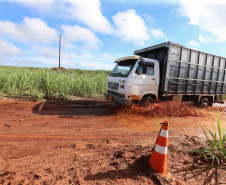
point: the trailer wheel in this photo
(204, 102)
(146, 101)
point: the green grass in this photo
(223, 97)
(215, 150)
(159, 126)
(39, 83)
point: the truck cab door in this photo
(145, 79)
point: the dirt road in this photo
(91, 142)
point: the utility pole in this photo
(59, 48)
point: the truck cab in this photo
(133, 80)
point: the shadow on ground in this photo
(213, 175)
(140, 167)
(91, 108)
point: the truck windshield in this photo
(123, 68)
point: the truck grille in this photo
(112, 85)
(116, 94)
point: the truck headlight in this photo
(122, 86)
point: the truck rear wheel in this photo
(146, 101)
(204, 102)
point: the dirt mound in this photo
(62, 69)
(166, 108)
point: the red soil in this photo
(91, 142)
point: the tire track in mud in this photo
(8, 137)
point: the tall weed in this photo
(215, 150)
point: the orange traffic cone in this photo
(158, 159)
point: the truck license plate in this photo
(110, 97)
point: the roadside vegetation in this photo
(39, 83)
(215, 149)
(223, 97)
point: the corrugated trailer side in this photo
(184, 71)
(192, 72)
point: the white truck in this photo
(168, 71)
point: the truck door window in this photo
(150, 70)
(145, 68)
(140, 69)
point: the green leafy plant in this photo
(140, 144)
(171, 128)
(216, 148)
(177, 146)
(159, 127)
(157, 122)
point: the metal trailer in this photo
(188, 72)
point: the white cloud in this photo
(158, 34)
(77, 34)
(127, 25)
(208, 15)
(193, 43)
(99, 60)
(40, 5)
(84, 11)
(46, 51)
(30, 30)
(36, 61)
(8, 49)
(89, 12)
(2, 60)
(204, 39)
(131, 27)
(76, 40)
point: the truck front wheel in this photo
(146, 101)
(204, 102)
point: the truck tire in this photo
(204, 102)
(196, 100)
(146, 101)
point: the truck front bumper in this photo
(118, 99)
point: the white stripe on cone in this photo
(160, 149)
(164, 133)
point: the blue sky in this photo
(96, 32)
